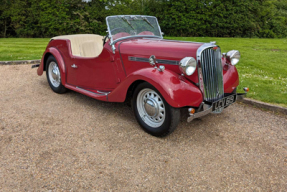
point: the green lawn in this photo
(262, 68)
(12, 49)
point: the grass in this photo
(12, 49)
(262, 68)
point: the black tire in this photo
(56, 86)
(171, 116)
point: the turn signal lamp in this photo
(191, 111)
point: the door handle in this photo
(74, 66)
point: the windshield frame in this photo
(112, 41)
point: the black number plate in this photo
(224, 102)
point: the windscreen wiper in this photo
(146, 20)
(125, 19)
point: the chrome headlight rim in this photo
(187, 66)
(233, 57)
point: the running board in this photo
(99, 95)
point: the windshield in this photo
(132, 25)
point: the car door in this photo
(95, 74)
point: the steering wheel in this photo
(104, 40)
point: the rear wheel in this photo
(152, 112)
(53, 75)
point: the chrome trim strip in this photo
(99, 92)
(202, 47)
(136, 36)
(159, 61)
(103, 93)
(139, 59)
(169, 62)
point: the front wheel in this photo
(152, 112)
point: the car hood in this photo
(161, 48)
(135, 53)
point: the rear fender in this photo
(55, 52)
(176, 90)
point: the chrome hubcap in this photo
(54, 74)
(151, 107)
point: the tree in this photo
(221, 18)
(4, 17)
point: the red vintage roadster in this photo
(134, 61)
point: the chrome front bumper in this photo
(207, 108)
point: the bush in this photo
(237, 18)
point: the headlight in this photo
(187, 65)
(233, 57)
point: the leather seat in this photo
(84, 45)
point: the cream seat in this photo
(84, 45)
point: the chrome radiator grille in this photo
(210, 60)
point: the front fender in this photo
(55, 52)
(230, 79)
(176, 90)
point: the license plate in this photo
(224, 102)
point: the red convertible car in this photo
(133, 61)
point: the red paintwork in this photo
(54, 51)
(177, 91)
(94, 73)
(115, 73)
(162, 49)
(230, 77)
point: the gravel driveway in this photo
(70, 142)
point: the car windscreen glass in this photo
(124, 26)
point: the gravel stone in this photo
(70, 142)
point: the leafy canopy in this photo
(218, 18)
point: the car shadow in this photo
(198, 128)
(184, 129)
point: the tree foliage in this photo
(220, 18)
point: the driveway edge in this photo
(21, 62)
(267, 106)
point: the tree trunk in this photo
(5, 29)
